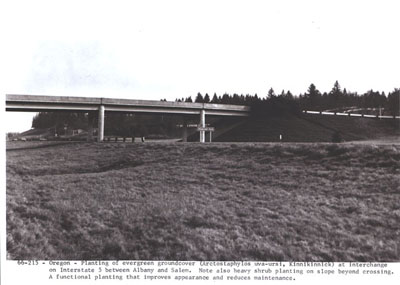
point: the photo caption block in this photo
(226, 271)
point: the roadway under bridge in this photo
(99, 106)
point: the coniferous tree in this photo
(271, 93)
(336, 95)
(206, 98)
(289, 95)
(312, 97)
(199, 98)
(393, 102)
(215, 98)
(225, 99)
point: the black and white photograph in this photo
(237, 131)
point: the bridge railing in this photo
(350, 114)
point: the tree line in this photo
(313, 99)
(116, 124)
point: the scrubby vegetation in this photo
(303, 202)
(311, 128)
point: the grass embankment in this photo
(311, 128)
(305, 202)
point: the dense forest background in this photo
(272, 104)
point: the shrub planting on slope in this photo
(310, 128)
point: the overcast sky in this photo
(172, 49)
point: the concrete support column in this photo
(184, 130)
(91, 117)
(203, 125)
(100, 132)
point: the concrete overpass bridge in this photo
(35, 103)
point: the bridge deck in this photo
(48, 103)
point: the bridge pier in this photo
(91, 119)
(202, 125)
(184, 130)
(100, 132)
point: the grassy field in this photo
(240, 201)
